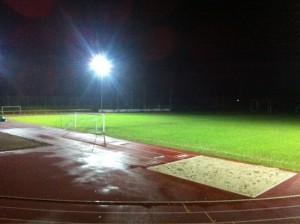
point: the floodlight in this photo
(101, 65)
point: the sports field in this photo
(271, 140)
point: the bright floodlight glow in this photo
(101, 65)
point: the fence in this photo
(83, 102)
(142, 102)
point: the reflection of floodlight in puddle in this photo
(110, 159)
(101, 65)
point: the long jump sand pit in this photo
(240, 178)
(11, 142)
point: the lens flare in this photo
(101, 65)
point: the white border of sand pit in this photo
(236, 177)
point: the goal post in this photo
(11, 109)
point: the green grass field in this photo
(271, 140)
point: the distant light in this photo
(101, 65)
(237, 100)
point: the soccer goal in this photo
(85, 122)
(93, 123)
(11, 109)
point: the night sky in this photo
(236, 49)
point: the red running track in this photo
(76, 180)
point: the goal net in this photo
(85, 122)
(88, 123)
(11, 109)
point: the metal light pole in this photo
(102, 67)
(101, 80)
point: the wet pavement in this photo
(78, 180)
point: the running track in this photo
(77, 180)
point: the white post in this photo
(75, 122)
(96, 124)
(103, 122)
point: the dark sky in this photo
(199, 48)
